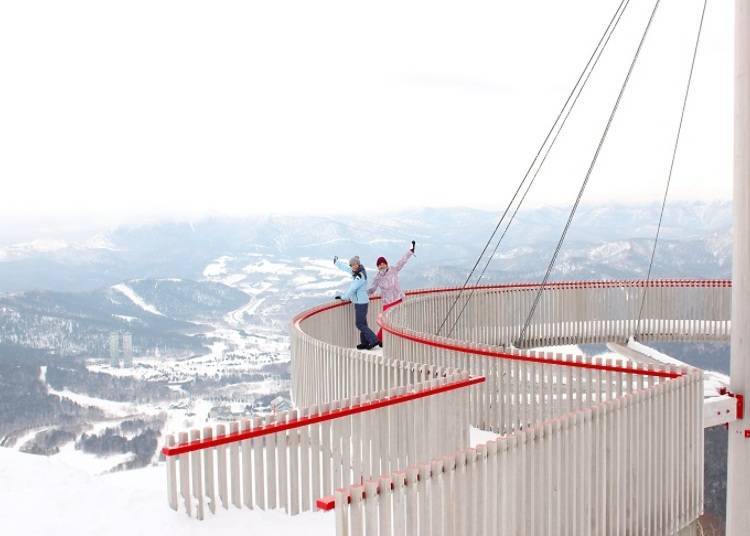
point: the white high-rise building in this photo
(114, 349)
(127, 349)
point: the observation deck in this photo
(585, 445)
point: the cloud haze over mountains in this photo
(612, 240)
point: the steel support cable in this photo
(551, 265)
(671, 168)
(531, 166)
(624, 6)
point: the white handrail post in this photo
(184, 461)
(171, 476)
(208, 464)
(195, 462)
(221, 467)
(342, 519)
(260, 489)
(247, 467)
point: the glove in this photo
(337, 297)
(413, 246)
(335, 260)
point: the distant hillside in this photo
(613, 240)
(160, 314)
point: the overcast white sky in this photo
(122, 111)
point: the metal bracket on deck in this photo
(740, 401)
(740, 407)
(723, 409)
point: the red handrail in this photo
(314, 419)
(516, 357)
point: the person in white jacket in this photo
(387, 282)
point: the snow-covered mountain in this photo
(449, 238)
(164, 314)
(195, 345)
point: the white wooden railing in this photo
(589, 446)
(629, 465)
(291, 459)
(326, 366)
(572, 312)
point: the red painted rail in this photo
(328, 503)
(314, 419)
(516, 357)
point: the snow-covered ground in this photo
(88, 463)
(575, 350)
(109, 407)
(217, 268)
(241, 344)
(73, 501)
(264, 266)
(478, 437)
(114, 412)
(238, 318)
(175, 371)
(42, 496)
(714, 382)
(257, 276)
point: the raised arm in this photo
(343, 266)
(403, 260)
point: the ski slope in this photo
(136, 299)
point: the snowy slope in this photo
(136, 299)
(42, 496)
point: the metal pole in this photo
(738, 470)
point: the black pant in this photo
(366, 336)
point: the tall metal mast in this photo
(738, 470)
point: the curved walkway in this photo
(588, 445)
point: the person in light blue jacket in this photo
(357, 294)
